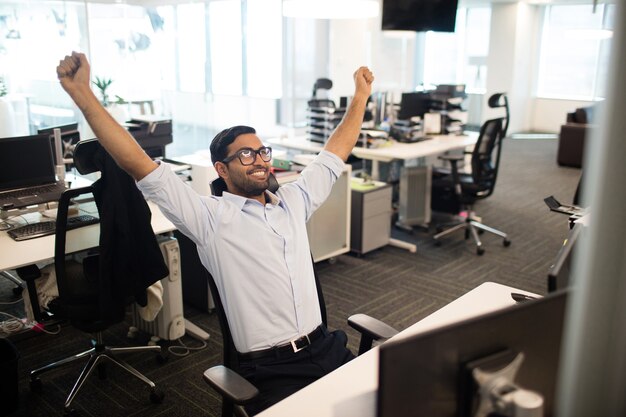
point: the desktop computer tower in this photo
(414, 196)
(170, 322)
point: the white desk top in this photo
(396, 150)
(350, 391)
(15, 254)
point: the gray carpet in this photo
(390, 283)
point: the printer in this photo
(152, 133)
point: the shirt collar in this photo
(240, 201)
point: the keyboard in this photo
(30, 191)
(34, 230)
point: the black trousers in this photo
(278, 377)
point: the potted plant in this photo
(118, 112)
(103, 84)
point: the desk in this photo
(16, 254)
(414, 195)
(350, 391)
(415, 179)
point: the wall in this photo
(219, 112)
(513, 59)
(397, 61)
(548, 115)
(391, 57)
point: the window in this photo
(460, 57)
(191, 47)
(257, 71)
(575, 45)
(226, 46)
(264, 48)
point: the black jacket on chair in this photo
(130, 257)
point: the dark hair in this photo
(219, 144)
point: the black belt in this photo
(291, 347)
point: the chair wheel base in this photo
(36, 385)
(102, 371)
(506, 243)
(156, 397)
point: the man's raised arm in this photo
(73, 72)
(347, 132)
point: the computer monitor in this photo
(414, 104)
(70, 136)
(560, 270)
(427, 374)
(25, 161)
(419, 15)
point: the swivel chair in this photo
(456, 192)
(321, 84)
(235, 390)
(81, 299)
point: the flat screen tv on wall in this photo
(419, 15)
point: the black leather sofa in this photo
(574, 134)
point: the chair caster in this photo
(36, 385)
(437, 243)
(156, 397)
(480, 251)
(70, 412)
(506, 243)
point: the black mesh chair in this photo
(314, 101)
(456, 192)
(234, 389)
(81, 296)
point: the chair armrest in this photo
(371, 329)
(451, 158)
(230, 384)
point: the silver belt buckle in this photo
(296, 349)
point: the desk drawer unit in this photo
(371, 218)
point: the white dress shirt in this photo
(258, 254)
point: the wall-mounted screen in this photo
(419, 15)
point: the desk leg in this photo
(375, 170)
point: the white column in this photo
(512, 56)
(593, 374)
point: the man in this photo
(253, 242)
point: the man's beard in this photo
(248, 187)
(251, 189)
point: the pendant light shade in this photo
(331, 9)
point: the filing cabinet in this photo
(370, 222)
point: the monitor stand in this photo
(497, 391)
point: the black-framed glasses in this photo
(247, 156)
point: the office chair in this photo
(82, 300)
(235, 390)
(321, 84)
(457, 191)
